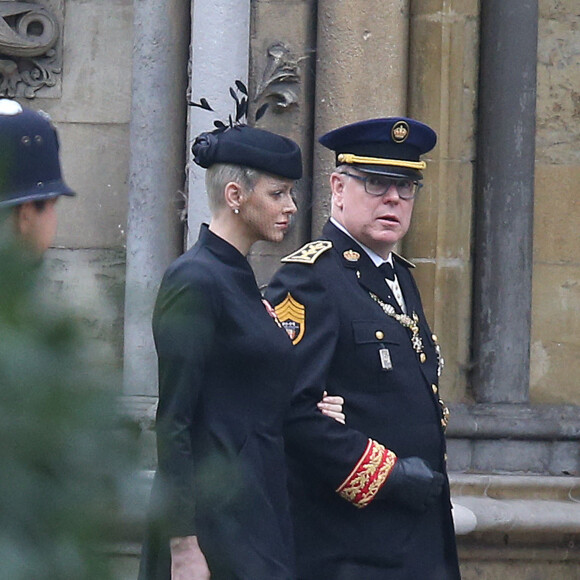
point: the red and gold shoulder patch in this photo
(291, 315)
(369, 475)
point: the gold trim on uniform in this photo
(368, 475)
(350, 158)
(309, 253)
(292, 315)
(404, 260)
(412, 323)
(445, 414)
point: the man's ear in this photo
(24, 215)
(234, 195)
(337, 188)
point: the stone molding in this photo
(511, 513)
(30, 53)
(485, 439)
(517, 439)
(507, 420)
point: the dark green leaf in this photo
(242, 87)
(242, 109)
(203, 104)
(260, 112)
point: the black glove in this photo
(413, 483)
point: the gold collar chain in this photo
(411, 323)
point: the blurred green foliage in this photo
(64, 455)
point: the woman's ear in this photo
(234, 195)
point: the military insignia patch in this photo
(291, 315)
(309, 253)
(351, 256)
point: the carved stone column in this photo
(505, 201)
(282, 67)
(220, 32)
(361, 72)
(161, 29)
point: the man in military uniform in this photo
(370, 500)
(30, 176)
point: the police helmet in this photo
(29, 162)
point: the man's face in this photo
(378, 222)
(37, 225)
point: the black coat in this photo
(339, 331)
(225, 381)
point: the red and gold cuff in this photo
(369, 475)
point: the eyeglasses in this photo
(378, 185)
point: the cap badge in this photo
(400, 131)
(351, 256)
(292, 315)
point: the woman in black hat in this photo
(226, 374)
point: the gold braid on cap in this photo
(351, 158)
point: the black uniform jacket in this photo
(225, 382)
(347, 345)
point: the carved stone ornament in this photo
(29, 56)
(281, 79)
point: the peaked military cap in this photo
(29, 163)
(388, 146)
(250, 147)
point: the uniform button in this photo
(435, 389)
(423, 357)
(380, 334)
(434, 337)
(445, 458)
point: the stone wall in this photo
(436, 82)
(443, 93)
(91, 110)
(555, 362)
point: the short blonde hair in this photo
(219, 175)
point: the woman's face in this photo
(268, 207)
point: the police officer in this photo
(30, 176)
(370, 500)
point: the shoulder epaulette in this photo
(309, 253)
(404, 260)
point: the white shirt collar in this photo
(377, 260)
